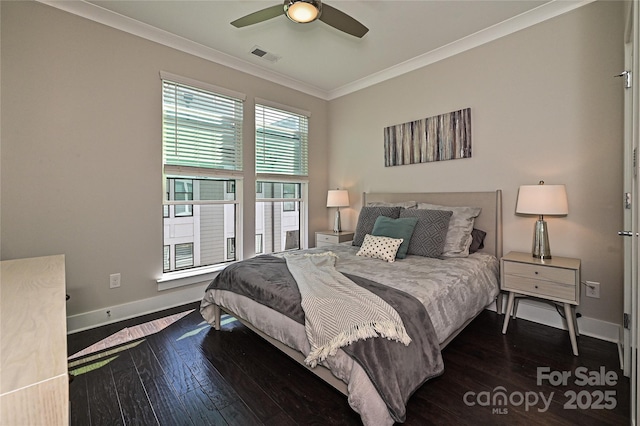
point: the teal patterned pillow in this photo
(430, 233)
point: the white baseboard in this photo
(545, 314)
(531, 310)
(108, 315)
(621, 355)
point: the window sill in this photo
(188, 277)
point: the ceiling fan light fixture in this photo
(302, 11)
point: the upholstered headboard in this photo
(490, 219)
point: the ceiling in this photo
(316, 58)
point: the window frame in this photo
(302, 179)
(184, 277)
(259, 243)
(302, 202)
(179, 277)
(201, 275)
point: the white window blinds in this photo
(201, 128)
(281, 142)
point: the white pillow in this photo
(384, 248)
(460, 226)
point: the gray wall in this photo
(81, 156)
(544, 105)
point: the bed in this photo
(451, 303)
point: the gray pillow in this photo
(367, 219)
(477, 240)
(460, 227)
(430, 232)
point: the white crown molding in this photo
(534, 16)
(151, 33)
(98, 14)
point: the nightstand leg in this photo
(575, 321)
(570, 324)
(507, 314)
(515, 307)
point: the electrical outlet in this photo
(114, 280)
(593, 289)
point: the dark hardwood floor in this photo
(190, 374)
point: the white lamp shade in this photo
(542, 200)
(338, 198)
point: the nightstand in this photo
(556, 279)
(327, 238)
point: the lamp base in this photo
(337, 227)
(541, 248)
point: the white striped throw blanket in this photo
(338, 311)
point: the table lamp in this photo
(337, 198)
(542, 200)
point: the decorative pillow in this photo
(477, 240)
(460, 227)
(367, 219)
(430, 232)
(384, 248)
(404, 204)
(396, 228)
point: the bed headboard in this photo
(490, 219)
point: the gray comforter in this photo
(395, 370)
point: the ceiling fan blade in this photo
(342, 21)
(259, 16)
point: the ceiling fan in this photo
(304, 11)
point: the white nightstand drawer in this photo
(547, 289)
(542, 273)
(326, 238)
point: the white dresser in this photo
(34, 384)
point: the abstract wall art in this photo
(442, 137)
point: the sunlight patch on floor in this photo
(126, 335)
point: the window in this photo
(201, 128)
(184, 255)
(210, 222)
(167, 259)
(259, 244)
(278, 224)
(183, 191)
(202, 156)
(290, 190)
(231, 248)
(282, 168)
(281, 142)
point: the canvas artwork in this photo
(442, 137)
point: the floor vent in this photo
(261, 53)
